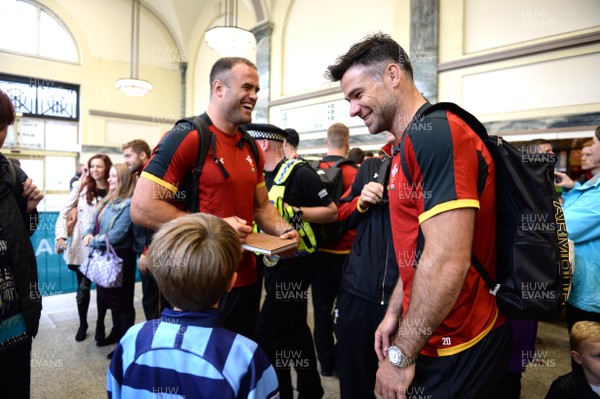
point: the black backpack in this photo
(533, 272)
(333, 180)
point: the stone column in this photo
(423, 52)
(183, 70)
(262, 33)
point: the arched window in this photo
(27, 27)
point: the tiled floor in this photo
(63, 368)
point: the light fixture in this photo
(230, 40)
(133, 86)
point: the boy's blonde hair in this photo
(583, 331)
(193, 258)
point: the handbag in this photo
(72, 214)
(71, 220)
(104, 267)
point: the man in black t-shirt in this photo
(282, 330)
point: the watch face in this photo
(394, 355)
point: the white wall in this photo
(557, 82)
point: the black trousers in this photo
(473, 373)
(325, 287)
(240, 307)
(15, 374)
(282, 330)
(355, 322)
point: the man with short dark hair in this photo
(441, 309)
(230, 186)
(136, 154)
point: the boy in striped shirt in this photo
(187, 353)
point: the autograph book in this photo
(267, 244)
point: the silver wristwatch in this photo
(398, 359)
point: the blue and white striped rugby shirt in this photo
(189, 355)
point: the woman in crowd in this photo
(111, 220)
(582, 216)
(20, 300)
(85, 195)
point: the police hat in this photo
(266, 131)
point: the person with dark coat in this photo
(20, 300)
(369, 277)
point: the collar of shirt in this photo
(205, 318)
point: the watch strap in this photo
(405, 361)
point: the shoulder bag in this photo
(72, 213)
(104, 267)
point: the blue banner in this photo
(54, 277)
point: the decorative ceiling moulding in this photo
(554, 123)
(554, 45)
(131, 117)
(306, 96)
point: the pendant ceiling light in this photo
(133, 86)
(230, 40)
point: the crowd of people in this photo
(398, 307)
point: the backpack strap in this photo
(251, 143)
(246, 138)
(343, 161)
(207, 144)
(383, 177)
(467, 117)
(337, 164)
(384, 171)
(206, 141)
(492, 285)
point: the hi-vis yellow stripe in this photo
(448, 206)
(459, 348)
(159, 181)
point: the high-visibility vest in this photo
(308, 241)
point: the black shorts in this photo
(472, 373)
